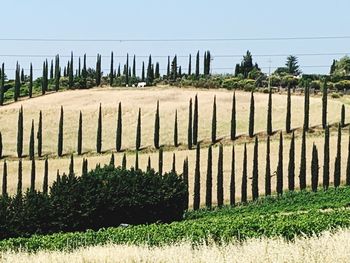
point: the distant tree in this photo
(337, 164)
(20, 133)
(46, 177)
(79, 67)
(137, 160)
(111, 160)
(314, 168)
(2, 84)
(168, 68)
(195, 120)
(233, 179)
(233, 117)
(4, 180)
(196, 196)
(213, 123)
(111, 72)
(71, 71)
(268, 169)
(189, 65)
(32, 176)
(280, 167)
(99, 131)
(173, 168)
(149, 78)
(326, 159)
(185, 178)
(71, 165)
(174, 68)
(124, 162)
(209, 181)
(30, 84)
(160, 161)
(292, 65)
(138, 131)
(302, 173)
(31, 142)
(80, 134)
(17, 83)
(60, 134)
(98, 70)
(269, 113)
(255, 177)
(251, 116)
(0, 145)
(20, 176)
(51, 69)
(291, 165)
(342, 117)
(244, 176)
(149, 167)
(324, 105)
(119, 128)
(39, 135)
(347, 164)
(143, 72)
(156, 127)
(189, 129)
(84, 72)
(220, 178)
(134, 67)
(157, 71)
(288, 115)
(197, 65)
(175, 131)
(306, 107)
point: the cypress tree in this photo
(348, 163)
(185, 178)
(20, 176)
(137, 160)
(244, 177)
(205, 64)
(337, 164)
(39, 135)
(80, 134)
(30, 85)
(189, 130)
(84, 71)
(32, 176)
(326, 159)
(20, 133)
(173, 168)
(255, 177)
(57, 73)
(149, 167)
(46, 177)
(0, 145)
(279, 188)
(60, 134)
(70, 73)
(22, 75)
(4, 180)
(118, 72)
(288, 115)
(143, 72)
(138, 131)
(195, 121)
(156, 72)
(220, 178)
(213, 123)
(197, 177)
(324, 105)
(51, 69)
(156, 127)
(98, 70)
(111, 160)
(79, 67)
(269, 113)
(342, 118)
(99, 131)
(31, 142)
(134, 67)
(208, 196)
(17, 83)
(189, 65)
(175, 131)
(291, 165)
(268, 169)
(160, 161)
(126, 70)
(44, 79)
(71, 165)
(251, 116)
(111, 72)
(168, 68)
(233, 117)
(306, 108)
(302, 173)
(233, 179)
(2, 84)
(119, 129)
(197, 65)
(314, 168)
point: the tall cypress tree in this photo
(30, 85)
(255, 177)
(32, 176)
(268, 169)
(51, 69)
(244, 176)
(324, 105)
(291, 165)
(138, 131)
(143, 72)
(71, 70)
(20, 133)
(98, 70)
(2, 84)
(233, 179)
(60, 134)
(195, 120)
(84, 170)
(134, 67)
(4, 180)
(189, 65)
(160, 161)
(189, 129)
(306, 107)
(111, 72)
(288, 115)
(157, 71)
(175, 131)
(269, 113)
(126, 73)
(185, 178)
(111, 161)
(205, 64)
(39, 135)
(0, 145)
(314, 168)
(326, 159)
(337, 164)
(119, 129)
(197, 177)
(233, 117)
(173, 168)
(46, 177)
(137, 160)
(213, 123)
(168, 68)
(348, 163)
(209, 181)
(17, 82)
(197, 65)
(58, 73)
(302, 173)
(31, 142)
(84, 72)
(149, 166)
(342, 117)
(80, 134)
(99, 131)
(20, 176)
(251, 115)
(156, 127)
(79, 67)
(220, 178)
(71, 165)
(279, 187)
(124, 162)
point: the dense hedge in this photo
(104, 197)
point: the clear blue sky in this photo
(176, 19)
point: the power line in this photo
(174, 39)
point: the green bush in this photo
(341, 85)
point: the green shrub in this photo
(336, 95)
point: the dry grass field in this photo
(329, 247)
(170, 99)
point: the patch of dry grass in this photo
(329, 247)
